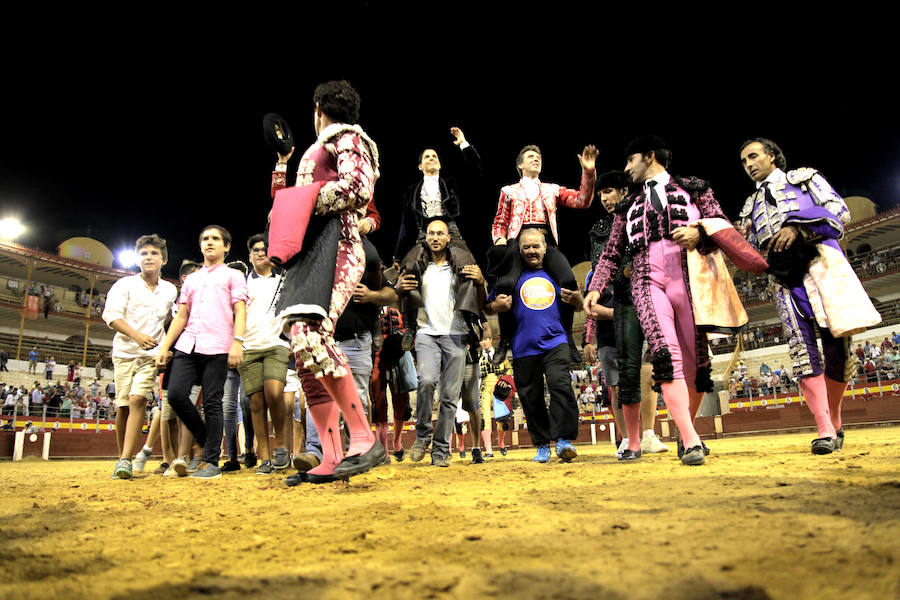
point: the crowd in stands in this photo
(59, 400)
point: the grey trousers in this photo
(440, 358)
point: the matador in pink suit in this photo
(314, 232)
(660, 226)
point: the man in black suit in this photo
(433, 197)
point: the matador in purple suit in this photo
(798, 218)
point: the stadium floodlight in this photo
(128, 258)
(10, 228)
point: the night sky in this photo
(125, 132)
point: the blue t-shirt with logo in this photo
(536, 309)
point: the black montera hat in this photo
(282, 145)
(613, 179)
(645, 144)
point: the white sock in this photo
(147, 450)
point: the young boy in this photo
(137, 307)
(210, 322)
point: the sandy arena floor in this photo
(763, 519)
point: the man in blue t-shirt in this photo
(540, 350)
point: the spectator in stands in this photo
(70, 374)
(886, 346)
(860, 353)
(9, 403)
(54, 401)
(895, 358)
(732, 388)
(764, 370)
(37, 399)
(874, 351)
(49, 365)
(8, 426)
(33, 360)
(895, 338)
(4, 357)
(98, 368)
(870, 370)
(66, 407)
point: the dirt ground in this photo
(763, 518)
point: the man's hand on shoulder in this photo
(362, 294)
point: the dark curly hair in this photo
(338, 100)
(770, 147)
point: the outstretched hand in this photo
(458, 134)
(588, 157)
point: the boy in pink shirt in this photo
(210, 322)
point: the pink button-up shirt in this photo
(210, 294)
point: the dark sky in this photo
(115, 133)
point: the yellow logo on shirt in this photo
(537, 293)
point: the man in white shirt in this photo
(137, 307)
(266, 357)
(440, 343)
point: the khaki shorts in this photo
(167, 413)
(263, 365)
(134, 377)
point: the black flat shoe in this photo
(630, 455)
(360, 463)
(822, 445)
(839, 441)
(399, 455)
(500, 354)
(295, 479)
(325, 478)
(693, 456)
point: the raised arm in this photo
(584, 195)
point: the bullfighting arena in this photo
(763, 518)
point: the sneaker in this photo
(139, 460)
(623, 446)
(693, 456)
(265, 468)
(477, 459)
(230, 466)
(195, 464)
(280, 459)
(417, 451)
(170, 472)
(489, 455)
(680, 448)
(123, 469)
(565, 451)
(250, 460)
(652, 444)
(543, 454)
(439, 461)
(305, 462)
(631, 455)
(206, 471)
(503, 451)
(823, 445)
(399, 455)
(705, 448)
(180, 466)
(161, 469)
(462, 453)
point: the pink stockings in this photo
(677, 399)
(815, 392)
(632, 414)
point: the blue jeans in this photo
(234, 391)
(359, 356)
(440, 358)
